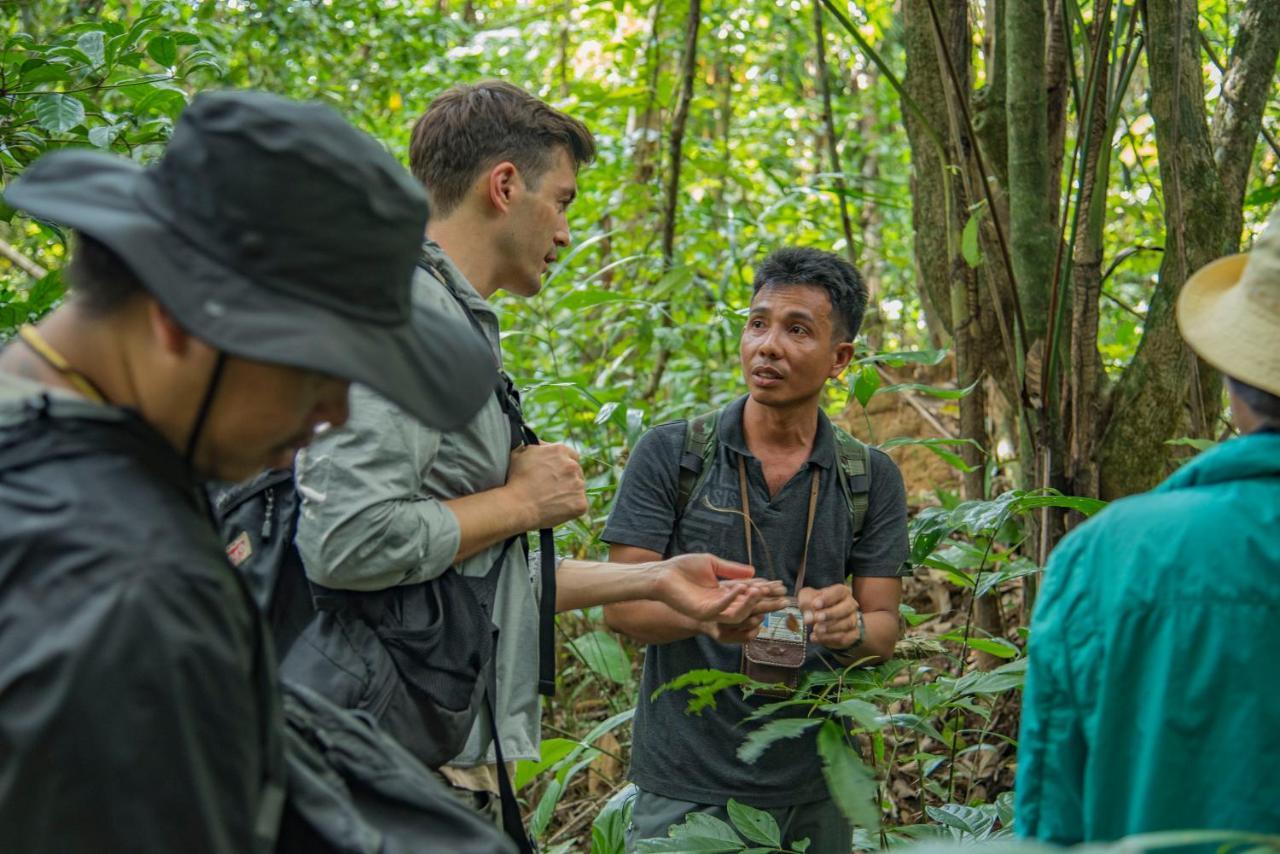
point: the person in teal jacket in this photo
(1153, 692)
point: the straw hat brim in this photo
(1228, 329)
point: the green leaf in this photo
(755, 824)
(898, 359)
(774, 731)
(1188, 441)
(1003, 678)
(861, 712)
(93, 45)
(609, 829)
(552, 751)
(45, 72)
(703, 685)
(932, 390)
(851, 783)
(542, 813)
(690, 844)
(165, 101)
(58, 113)
(1263, 196)
(606, 412)
(578, 300)
(164, 50)
(971, 820)
(604, 655)
(865, 385)
(103, 135)
(969, 241)
(1053, 498)
(992, 646)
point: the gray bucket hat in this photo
(275, 231)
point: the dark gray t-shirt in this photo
(694, 757)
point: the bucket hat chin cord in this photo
(202, 414)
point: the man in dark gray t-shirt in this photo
(806, 308)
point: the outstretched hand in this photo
(706, 588)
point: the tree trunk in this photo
(675, 147)
(1164, 388)
(1031, 234)
(1085, 373)
(925, 84)
(832, 137)
(671, 206)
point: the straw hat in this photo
(1229, 312)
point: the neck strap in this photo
(747, 525)
(51, 357)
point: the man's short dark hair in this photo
(471, 128)
(799, 265)
(1264, 404)
(100, 279)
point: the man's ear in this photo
(502, 183)
(173, 339)
(843, 356)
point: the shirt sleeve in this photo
(365, 524)
(644, 510)
(133, 724)
(882, 549)
(1051, 744)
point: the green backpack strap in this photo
(855, 475)
(701, 435)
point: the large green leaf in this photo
(164, 50)
(756, 825)
(58, 113)
(851, 783)
(699, 832)
(604, 655)
(774, 731)
(93, 45)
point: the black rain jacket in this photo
(138, 701)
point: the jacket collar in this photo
(454, 280)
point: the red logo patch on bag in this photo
(240, 549)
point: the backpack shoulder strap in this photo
(701, 435)
(854, 460)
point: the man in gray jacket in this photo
(389, 502)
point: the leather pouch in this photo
(777, 654)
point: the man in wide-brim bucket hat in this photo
(1229, 312)
(221, 300)
(276, 232)
(1157, 619)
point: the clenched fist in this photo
(548, 481)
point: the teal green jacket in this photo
(1153, 694)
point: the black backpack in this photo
(353, 789)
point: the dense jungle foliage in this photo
(1024, 185)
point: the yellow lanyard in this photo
(55, 360)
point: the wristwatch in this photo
(862, 634)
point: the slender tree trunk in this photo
(832, 137)
(1057, 90)
(675, 147)
(645, 129)
(1085, 373)
(1031, 234)
(671, 206)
